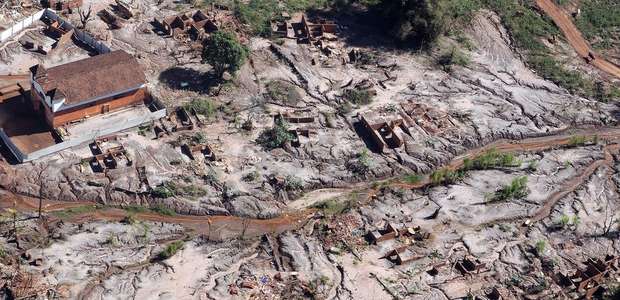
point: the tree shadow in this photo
(363, 28)
(186, 79)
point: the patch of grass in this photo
(540, 247)
(251, 177)
(162, 210)
(517, 189)
(74, 211)
(577, 141)
(170, 250)
(293, 183)
(202, 106)
(548, 68)
(283, 92)
(362, 164)
(413, 178)
(454, 57)
(170, 189)
(333, 206)
(491, 159)
(358, 97)
(276, 136)
(447, 176)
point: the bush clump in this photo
(202, 106)
(171, 189)
(283, 92)
(517, 189)
(170, 250)
(276, 136)
(358, 97)
(454, 57)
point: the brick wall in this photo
(92, 109)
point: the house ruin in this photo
(195, 25)
(384, 133)
(62, 5)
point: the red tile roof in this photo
(93, 77)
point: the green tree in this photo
(224, 52)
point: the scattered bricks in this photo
(429, 119)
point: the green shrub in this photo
(202, 106)
(333, 206)
(283, 92)
(413, 178)
(162, 210)
(517, 189)
(358, 97)
(170, 189)
(491, 159)
(454, 57)
(276, 136)
(577, 141)
(362, 164)
(251, 177)
(170, 250)
(293, 183)
(447, 176)
(540, 246)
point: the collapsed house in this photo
(195, 25)
(384, 133)
(307, 32)
(62, 5)
(431, 120)
(590, 278)
(60, 93)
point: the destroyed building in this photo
(62, 5)
(196, 25)
(87, 87)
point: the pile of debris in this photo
(405, 235)
(590, 279)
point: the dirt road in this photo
(575, 38)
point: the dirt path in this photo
(574, 37)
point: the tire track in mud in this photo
(575, 38)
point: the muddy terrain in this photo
(505, 185)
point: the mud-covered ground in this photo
(569, 213)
